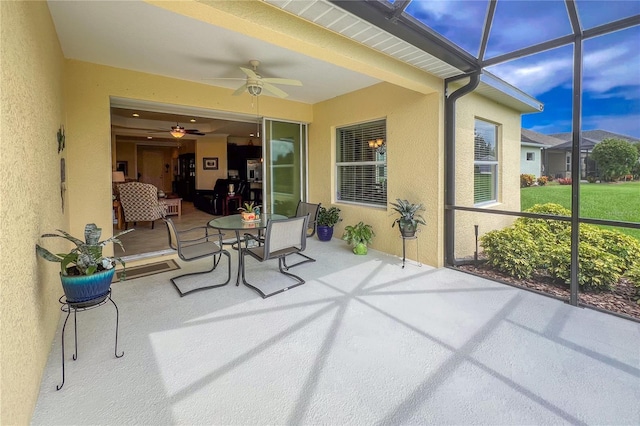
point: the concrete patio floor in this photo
(362, 342)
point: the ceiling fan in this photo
(255, 84)
(178, 131)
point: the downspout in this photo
(450, 160)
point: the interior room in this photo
(194, 172)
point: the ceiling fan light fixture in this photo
(177, 131)
(254, 89)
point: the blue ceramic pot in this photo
(81, 288)
(325, 233)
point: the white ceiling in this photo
(138, 36)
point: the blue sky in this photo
(611, 80)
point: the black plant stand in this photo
(74, 307)
(404, 242)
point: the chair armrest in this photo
(206, 229)
(207, 235)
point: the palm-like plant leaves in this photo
(87, 255)
(408, 212)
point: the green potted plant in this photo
(358, 236)
(327, 218)
(85, 273)
(409, 218)
(249, 211)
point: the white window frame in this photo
(493, 165)
(374, 183)
(531, 156)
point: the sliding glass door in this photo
(285, 166)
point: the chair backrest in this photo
(139, 201)
(285, 234)
(311, 210)
(174, 242)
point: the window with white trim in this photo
(531, 156)
(485, 164)
(361, 163)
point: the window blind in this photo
(485, 182)
(361, 170)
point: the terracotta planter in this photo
(248, 216)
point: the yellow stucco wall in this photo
(469, 108)
(414, 162)
(32, 101)
(90, 87)
(214, 147)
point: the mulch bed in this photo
(621, 300)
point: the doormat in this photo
(146, 270)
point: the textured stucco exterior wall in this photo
(468, 108)
(31, 85)
(414, 162)
(90, 87)
(531, 167)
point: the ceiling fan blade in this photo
(287, 81)
(225, 78)
(273, 89)
(194, 132)
(240, 90)
(249, 73)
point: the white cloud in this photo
(604, 70)
(612, 67)
(445, 10)
(537, 77)
(628, 125)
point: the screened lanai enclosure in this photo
(579, 59)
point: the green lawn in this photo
(613, 201)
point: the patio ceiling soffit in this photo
(266, 22)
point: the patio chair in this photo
(140, 203)
(193, 244)
(311, 210)
(282, 238)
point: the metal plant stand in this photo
(404, 243)
(74, 307)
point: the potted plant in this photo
(358, 236)
(85, 273)
(327, 218)
(249, 211)
(409, 218)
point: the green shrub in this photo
(542, 180)
(512, 251)
(633, 274)
(598, 269)
(613, 242)
(532, 245)
(553, 226)
(526, 180)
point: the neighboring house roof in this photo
(538, 138)
(586, 145)
(596, 135)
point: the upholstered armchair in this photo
(140, 203)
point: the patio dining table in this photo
(236, 224)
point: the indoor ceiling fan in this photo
(255, 84)
(178, 131)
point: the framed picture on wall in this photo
(210, 163)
